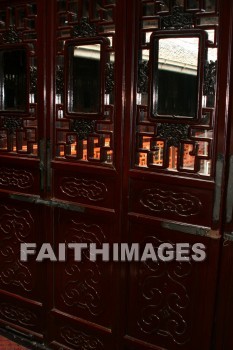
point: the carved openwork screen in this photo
(176, 63)
(13, 79)
(85, 75)
(176, 89)
(18, 80)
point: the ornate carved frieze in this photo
(110, 82)
(84, 29)
(178, 19)
(11, 36)
(86, 189)
(83, 127)
(143, 73)
(173, 133)
(210, 78)
(21, 316)
(80, 340)
(160, 201)
(19, 179)
(12, 124)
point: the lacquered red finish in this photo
(99, 305)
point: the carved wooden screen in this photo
(85, 171)
(174, 176)
(79, 138)
(100, 157)
(21, 120)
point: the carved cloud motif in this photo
(86, 189)
(183, 204)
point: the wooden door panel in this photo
(22, 283)
(175, 184)
(86, 166)
(22, 174)
(85, 289)
(85, 299)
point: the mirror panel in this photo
(175, 76)
(13, 79)
(84, 67)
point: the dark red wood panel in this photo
(123, 174)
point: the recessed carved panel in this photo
(163, 313)
(86, 189)
(159, 201)
(82, 281)
(13, 178)
(19, 315)
(80, 340)
(161, 304)
(16, 226)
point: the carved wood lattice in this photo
(19, 135)
(83, 139)
(175, 144)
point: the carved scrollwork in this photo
(173, 133)
(143, 73)
(12, 124)
(83, 127)
(183, 204)
(15, 227)
(110, 83)
(86, 189)
(33, 80)
(84, 29)
(82, 280)
(20, 179)
(80, 340)
(178, 19)
(11, 36)
(18, 315)
(60, 80)
(210, 78)
(165, 299)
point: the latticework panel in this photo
(176, 144)
(19, 131)
(81, 138)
